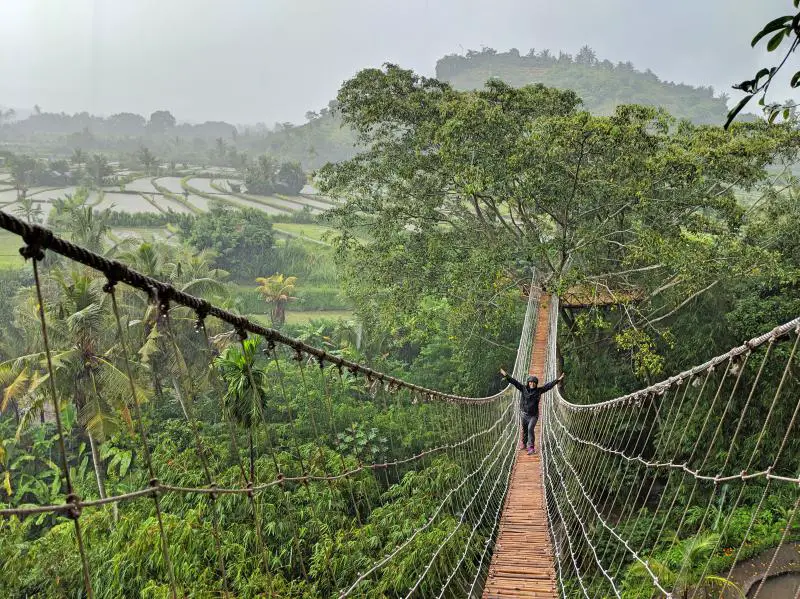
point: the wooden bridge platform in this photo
(522, 564)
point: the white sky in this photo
(246, 61)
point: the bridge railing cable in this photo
(287, 410)
(638, 484)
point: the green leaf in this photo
(773, 25)
(773, 115)
(775, 41)
(796, 78)
(736, 110)
(125, 463)
(55, 487)
(760, 74)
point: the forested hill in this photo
(601, 84)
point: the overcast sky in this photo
(246, 61)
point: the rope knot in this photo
(36, 239)
(241, 333)
(155, 484)
(115, 273)
(202, 310)
(74, 512)
(280, 478)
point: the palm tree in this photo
(83, 346)
(277, 290)
(147, 158)
(241, 400)
(29, 210)
(99, 169)
(680, 569)
(78, 157)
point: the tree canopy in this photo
(458, 187)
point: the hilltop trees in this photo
(601, 84)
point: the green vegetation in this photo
(9, 251)
(601, 84)
(456, 195)
(310, 231)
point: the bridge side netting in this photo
(664, 491)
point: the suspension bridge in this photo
(620, 501)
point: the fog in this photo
(247, 61)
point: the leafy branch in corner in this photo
(783, 28)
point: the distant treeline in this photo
(321, 139)
(600, 83)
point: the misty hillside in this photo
(602, 84)
(321, 139)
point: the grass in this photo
(9, 251)
(313, 232)
(304, 317)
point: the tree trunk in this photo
(252, 455)
(97, 466)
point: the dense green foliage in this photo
(455, 197)
(242, 240)
(265, 177)
(601, 84)
(462, 190)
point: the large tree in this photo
(458, 188)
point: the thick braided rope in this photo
(44, 239)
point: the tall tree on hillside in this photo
(457, 187)
(82, 342)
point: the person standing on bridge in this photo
(529, 405)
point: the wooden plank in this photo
(522, 563)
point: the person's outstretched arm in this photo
(512, 380)
(547, 386)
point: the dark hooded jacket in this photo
(529, 400)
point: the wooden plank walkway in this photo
(522, 564)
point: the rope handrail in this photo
(662, 386)
(40, 238)
(589, 460)
(486, 448)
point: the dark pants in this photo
(528, 426)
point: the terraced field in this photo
(160, 194)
